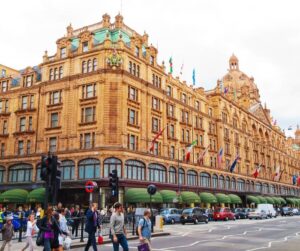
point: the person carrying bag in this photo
(144, 232)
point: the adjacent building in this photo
(99, 101)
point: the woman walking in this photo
(31, 230)
(47, 226)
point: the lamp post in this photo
(151, 191)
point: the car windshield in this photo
(187, 211)
(164, 211)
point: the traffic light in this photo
(114, 183)
(45, 168)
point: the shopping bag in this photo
(143, 247)
(100, 239)
(67, 243)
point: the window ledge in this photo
(133, 125)
(25, 110)
(23, 133)
(82, 100)
(53, 128)
(54, 105)
(5, 114)
(88, 123)
(4, 135)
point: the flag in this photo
(275, 122)
(181, 69)
(298, 181)
(194, 76)
(255, 174)
(290, 128)
(220, 154)
(225, 90)
(277, 174)
(201, 158)
(189, 150)
(234, 163)
(294, 179)
(155, 138)
(171, 65)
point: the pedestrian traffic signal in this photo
(114, 183)
(45, 168)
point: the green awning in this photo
(276, 200)
(208, 198)
(36, 195)
(223, 198)
(282, 201)
(140, 195)
(170, 196)
(14, 196)
(252, 199)
(235, 199)
(291, 201)
(190, 197)
(270, 200)
(262, 200)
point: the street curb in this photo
(82, 244)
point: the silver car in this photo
(257, 214)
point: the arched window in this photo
(204, 179)
(215, 181)
(258, 187)
(233, 184)
(192, 178)
(84, 67)
(55, 73)
(112, 164)
(2, 174)
(181, 176)
(227, 183)
(89, 65)
(172, 175)
(89, 169)
(61, 72)
(221, 182)
(157, 173)
(95, 64)
(134, 170)
(20, 173)
(67, 170)
(51, 74)
(241, 185)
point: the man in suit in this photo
(76, 220)
(92, 223)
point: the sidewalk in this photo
(77, 244)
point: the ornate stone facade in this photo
(101, 99)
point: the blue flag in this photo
(194, 76)
(294, 179)
(234, 164)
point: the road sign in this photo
(90, 186)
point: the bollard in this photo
(82, 225)
(20, 230)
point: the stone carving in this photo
(114, 60)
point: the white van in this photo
(268, 208)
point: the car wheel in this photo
(196, 221)
(206, 221)
(172, 221)
(235, 218)
(226, 219)
(182, 222)
(239, 217)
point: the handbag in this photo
(143, 247)
(100, 239)
(40, 238)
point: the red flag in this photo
(255, 174)
(155, 138)
(298, 181)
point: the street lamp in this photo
(151, 191)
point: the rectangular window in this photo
(28, 146)
(89, 91)
(132, 142)
(87, 140)
(187, 136)
(6, 107)
(22, 124)
(3, 73)
(132, 117)
(88, 114)
(31, 106)
(182, 135)
(30, 124)
(52, 144)
(156, 148)
(132, 93)
(20, 147)
(155, 103)
(5, 127)
(2, 150)
(197, 105)
(137, 51)
(4, 86)
(170, 110)
(155, 125)
(183, 98)
(54, 120)
(55, 97)
(63, 52)
(24, 103)
(151, 60)
(28, 80)
(172, 152)
(85, 46)
(1, 106)
(169, 91)
(172, 132)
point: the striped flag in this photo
(220, 155)
(257, 170)
(225, 90)
(194, 76)
(155, 139)
(201, 158)
(189, 150)
(171, 65)
(294, 180)
(233, 165)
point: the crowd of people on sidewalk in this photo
(51, 227)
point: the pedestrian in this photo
(92, 223)
(47, 226)
(56, 243)
(63, 226)
(118, 229)
(144, 228)
(76, 220)
(7, 233)
(30, 231)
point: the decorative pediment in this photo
(85, 36)
(63, 42)
(258, 111)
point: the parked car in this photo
(209, 212)
(170, 215)
(223, 213)
(239, 213)
(257, 214)
(296, 211)
(193, 215)
(286, 211)
(246, 211)
(268, 208)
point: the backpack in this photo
(136, 229)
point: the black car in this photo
(239, 213)
(209, 212)
(287, 211)
(193, 215)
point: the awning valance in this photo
(253, 199)
(223, 198)
(140, 195)
(235, 199)
(14, 196)
(36, 195)
(208, 198)
(170, 196)
(262, 200)
(190, 197)
(270, 200)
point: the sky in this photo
(201, 34)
